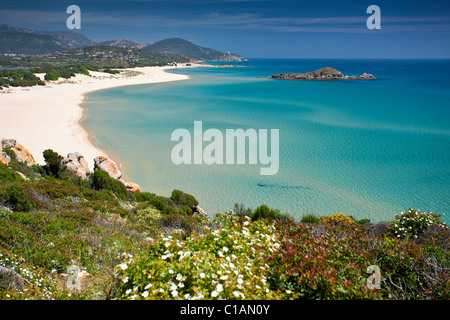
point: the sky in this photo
(410, 29)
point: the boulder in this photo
(77, 164)
(4, 158)
(8, 143)
(105, 164)
(200, 211)
(132, 187)
(13, 279)
(22, 175)
(22, 154)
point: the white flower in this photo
(179, 277)
(148, 286)
(225, 249)
(214, 294)
(174, 293)
(123, 266)
(172, 287)
(128, 292)
(219, 287)
(145, 294)
(171, 271)
(240, 281)
(225, 277)
(236, 294)
(202, 275)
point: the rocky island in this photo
(327, 73)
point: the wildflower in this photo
(148, 286)
(202, 275)
(214, 294)
(171, 271)
(128, 292)
(174, 293)
(123, 266)
(225, 277)
(145, 294)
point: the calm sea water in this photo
(365, 148)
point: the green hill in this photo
(186, 48)
(15, 42)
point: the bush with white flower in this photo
(226, 263)
(412, 222)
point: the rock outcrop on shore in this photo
(22, 154)
(327, 73)
(74, 162)
(106, 164)
(77, 164)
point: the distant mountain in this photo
(72, 39)
(15, 42)
(188, 49)
(121, 44)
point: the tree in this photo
(53, 163)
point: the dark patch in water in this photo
(282, 186)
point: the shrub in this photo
(308, 266)
(222, 264)
(8, 175)
(10, 153)
(51, 75)
(338, 219)
(183, 199)
(264, 212)
(100, 180)
(241, 211)
(53, 165)
(163, 204)
(16, 198)
(143, 196)
(310, 218)
(412, 222)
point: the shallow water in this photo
(366, 148)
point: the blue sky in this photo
(257, 28)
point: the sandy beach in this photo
(49, 117)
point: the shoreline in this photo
(53, 116)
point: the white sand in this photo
(48, 117)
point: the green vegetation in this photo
(28, 43)
(146, 246)
(188, 49)
(95, 57)
(53, 166)
(19, 78)
(100, 180)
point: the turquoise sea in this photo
(370, 149)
